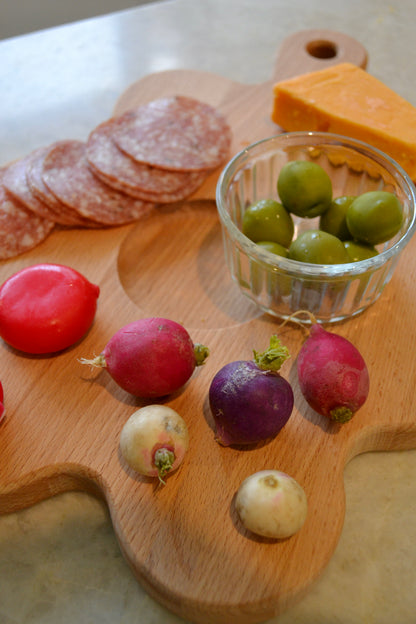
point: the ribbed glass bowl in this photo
(281, 286)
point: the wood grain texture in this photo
(184, 541)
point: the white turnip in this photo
(272, 504)
(154, 441)
(249, 400)
(333, 375)
(151, 357)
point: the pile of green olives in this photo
(349, 229)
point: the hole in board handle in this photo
(322, 49)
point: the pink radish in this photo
(151, 357)
(154, 441)
(333, 375)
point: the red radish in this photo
(333, 375)
(151, 357)
(45, 308)
(249, 400)
(154, 441)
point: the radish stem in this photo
(341, 414)
(273, 357)
(201, 353)
(97, 362)
(163, 460)
(293, 316)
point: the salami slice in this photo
(123, 173)
(68, 176)
(15, 182)
(20, 229)
(176, 133)
(62, 214)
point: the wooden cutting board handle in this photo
(310, 50)
(302, 52)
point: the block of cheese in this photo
(346, 100)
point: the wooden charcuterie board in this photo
(184, 541)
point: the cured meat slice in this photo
(155, 198)
(20, 229)
(176, 133)
(68, 176)
(119, 170)
(61, 213)
(15, 181)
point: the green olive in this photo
(305, 189)
(267, 220)
(334, 220)
(278, 285)
(374, 217)
(359, 251)
(275, 248)
(318, 247)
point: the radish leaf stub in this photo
(273, 357)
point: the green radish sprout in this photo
(273, 357)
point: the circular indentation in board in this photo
(172, 265)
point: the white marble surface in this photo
(59, 561)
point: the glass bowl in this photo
(281, 286)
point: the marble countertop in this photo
(59, 560)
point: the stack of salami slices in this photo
(157, 153)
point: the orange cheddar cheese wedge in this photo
(346, 100)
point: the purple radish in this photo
(249, 400)
(151, 357)
(333, 375)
